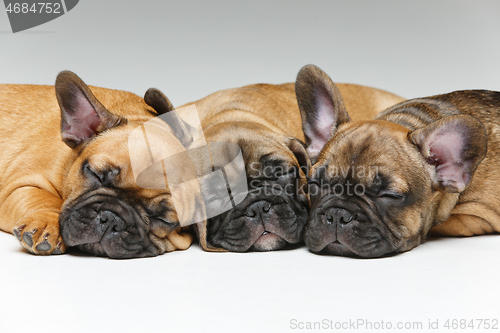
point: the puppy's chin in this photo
(99, 250)
(268, 242)
(93, 248)
(338, 249)
(377, 249)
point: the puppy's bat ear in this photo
(82, 115)
(298, 148)
(158, 101)
(455, 145)
(321, 107)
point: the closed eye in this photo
(106, 177)
(89, 173)
(391, 194)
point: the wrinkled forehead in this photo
(154, 137)
(365, 150)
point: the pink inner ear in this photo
(84, 121)
(445, 153)
(325, 118)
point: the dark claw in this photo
(17, 232)
(43, 246)
(28, 237)
(57, 251)
(58, 248)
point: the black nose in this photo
(258, 208)
(109, 219)
(338, 216)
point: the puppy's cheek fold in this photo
(181, 240)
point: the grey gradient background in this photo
(189, 49)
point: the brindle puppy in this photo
(382, 186)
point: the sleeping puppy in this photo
(421, 167)
(264, 121)
(66, 176)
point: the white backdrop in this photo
(189, 49)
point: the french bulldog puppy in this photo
(381, 187)
(66, 176)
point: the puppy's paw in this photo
(39, 233)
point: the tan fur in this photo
(275, 106)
